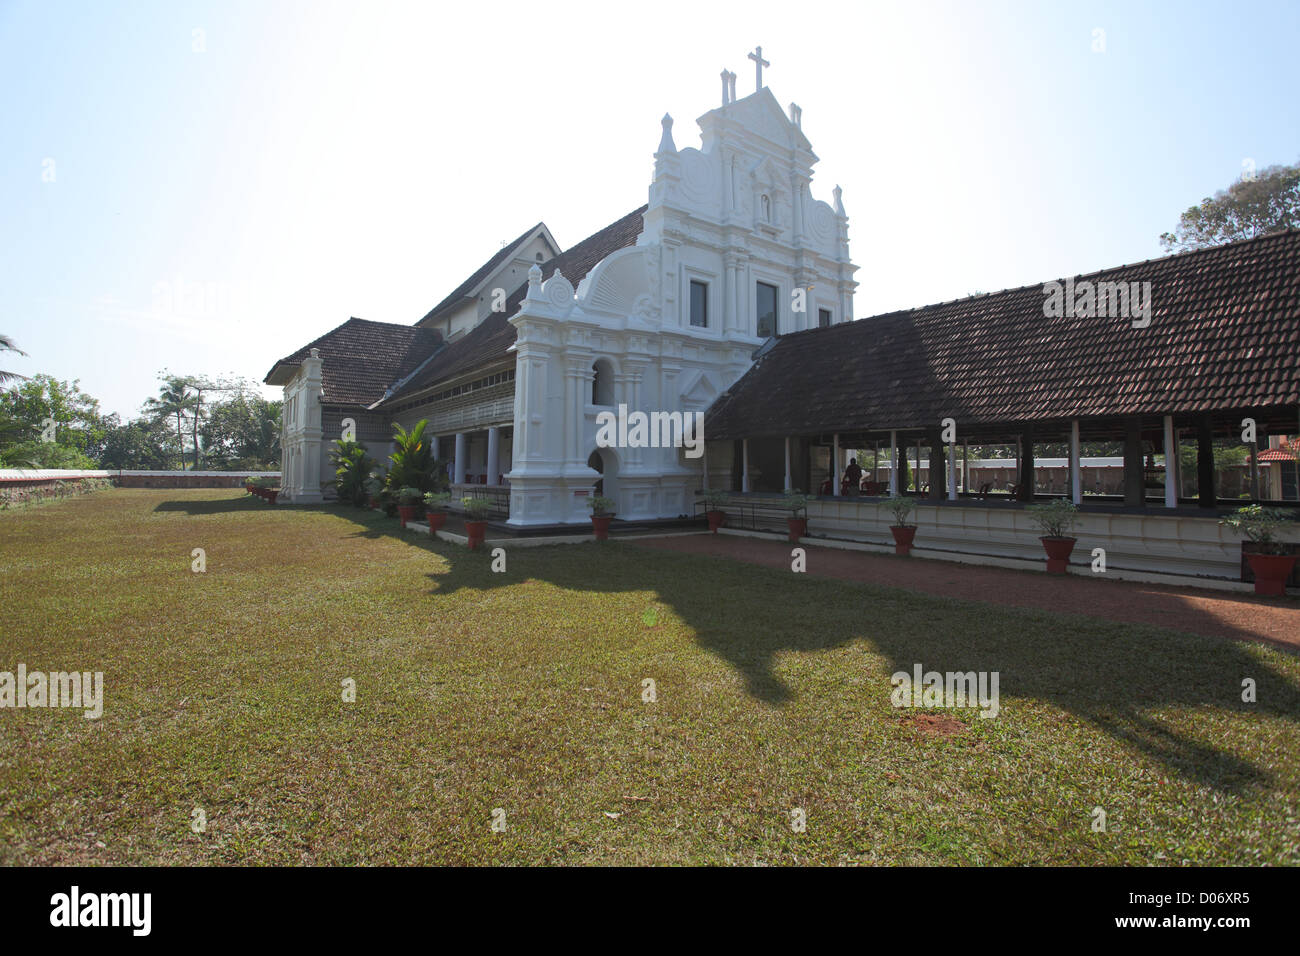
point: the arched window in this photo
(539, 257)
(602, 383)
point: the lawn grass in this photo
(523, 691)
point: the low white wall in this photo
(1165, 544)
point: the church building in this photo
(661, 311)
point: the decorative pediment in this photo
(699, 393)
(627, 283)
(762, 115)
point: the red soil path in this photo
(1197, 611)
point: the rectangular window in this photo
(766, 310)
(699, 304)
(823, 318)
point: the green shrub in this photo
(1054, 518)
(601, 506)
(1261, 525)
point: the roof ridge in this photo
(1289, 231)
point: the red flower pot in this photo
(248, 486)
(1271, 572)
(600, 526)
(715, 519)
(475, 530)
(798, 528)
(903, 538)
(271, 496)
(374, 503)
(436, 520)
(1058, 553)
(405, 513)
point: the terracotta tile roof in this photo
(361, 359)
(481, 273)
(488, 342)
(1284, 452)
(1224, 334)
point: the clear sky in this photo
(205, 187)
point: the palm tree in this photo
(7, 345)
(173, 399)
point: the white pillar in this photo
(744, 465)
(835, 465)
(704, 462)
(952, 471)
(893, 462)
(1076, 478)
(965, 466)
(1254, 470)
(493, 454)
(1171, 464)
(788, 484)
(458, 475)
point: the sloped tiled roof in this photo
(1224, 334)
(479, 275)
(1284, 452)
(361, 359)
(489, 341)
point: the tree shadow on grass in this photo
(1120, 678)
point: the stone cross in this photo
(759, 63)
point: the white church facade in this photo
(660, 312)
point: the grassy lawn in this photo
(522, 690)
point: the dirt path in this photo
(1220, 614)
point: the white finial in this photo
(731, 86)
(759, 63)
(839, 201)
(725, 100)
(315, 353)
(666, 144)
(534, 281)
(796, 116)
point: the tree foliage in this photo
(1252, 206)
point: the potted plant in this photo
(1054, 518)
(1268, 560)
(602, 513)
(434, 503)
(476, 510)
(374, 485)
(714, 501)
(408, 499)
(795, 501)
(903, 532)
(248, 483)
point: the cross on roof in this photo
(759, 63)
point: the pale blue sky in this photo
(300, 163)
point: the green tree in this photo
(1252, 206)
(174, 400)
(142, 444)
(7, 345)
(47, 423)
(242, 432)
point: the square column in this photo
(1076, 479)
(788, 485)
(744, 465)
(893, 463)
(462, 452)
(835, 466)
(1171, 464)
(493, 454)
